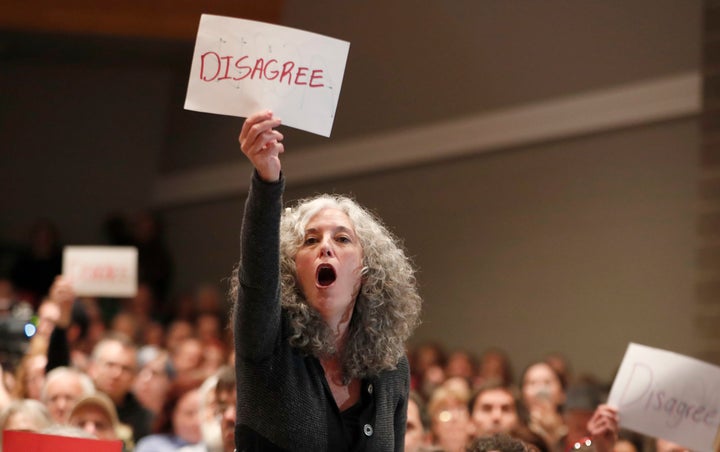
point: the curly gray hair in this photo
(387, 309)
(388, 306)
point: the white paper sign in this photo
(669, 396)
(241, 67)
(101, 271)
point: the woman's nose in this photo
(326, 249)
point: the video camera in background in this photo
(17, 326)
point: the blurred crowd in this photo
(156, 370)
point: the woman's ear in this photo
(363, 274)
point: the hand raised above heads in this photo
(261, 143)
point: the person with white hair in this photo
(63, 387)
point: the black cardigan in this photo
(282, 394)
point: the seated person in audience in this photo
(26, 414)
(67, 431)
(664, 445)
(209, 327)
(187, 360)
(581, 401)
(449, 418)
(210, 430)
(629, 441)
(153, 379)
(226, 400)
(427, 368)
(177, 331)
(461, 363)
(30, 375)
(603, 428)
(495, 409)
(5, 386)
(417, 431)
(561, 364)
(543, 396)
(499, 443)
(96, 415)
(113, 368)
(178, 423)
(494, 366)
(63, 387)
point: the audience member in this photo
(226, 399)
(63, 387)
(629, 441)
(35, 268)
(177, 331)
(499, 443)
(48, 315)
(543, 396)
(210, 431)
(417, 431)
(154, 378)
(25, 414)
(461, 363)
(581, 401)
(664, 445)
(560, 363)
(427, 368)
(178, 423)
(450, 419)
(30, 376)
(603, 428)
(494, 409)
(208, 327)
(494, 366)
(96, 414)
(68, 342)
(113, 368)
(187, 360)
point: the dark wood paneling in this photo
(175, 19)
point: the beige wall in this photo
(579, 246)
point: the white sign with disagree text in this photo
(668, 395)
(240, 67)
(101, 271)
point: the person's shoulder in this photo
(155, 443)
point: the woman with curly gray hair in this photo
(325, 298)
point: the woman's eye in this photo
(343, 239)
(310, 241)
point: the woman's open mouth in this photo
(325, 275)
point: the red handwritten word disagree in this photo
(100, 272)
(214, 67)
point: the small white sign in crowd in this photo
(670, 396)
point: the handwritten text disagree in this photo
(214, 67)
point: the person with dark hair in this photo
(495, 409)
(325, 299)
(417, 433)
(543, 397)
(35, 268)
(499, 443)
(113, 368)
(178, 423)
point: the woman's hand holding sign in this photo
(261, 143)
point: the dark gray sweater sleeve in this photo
(257, 310)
